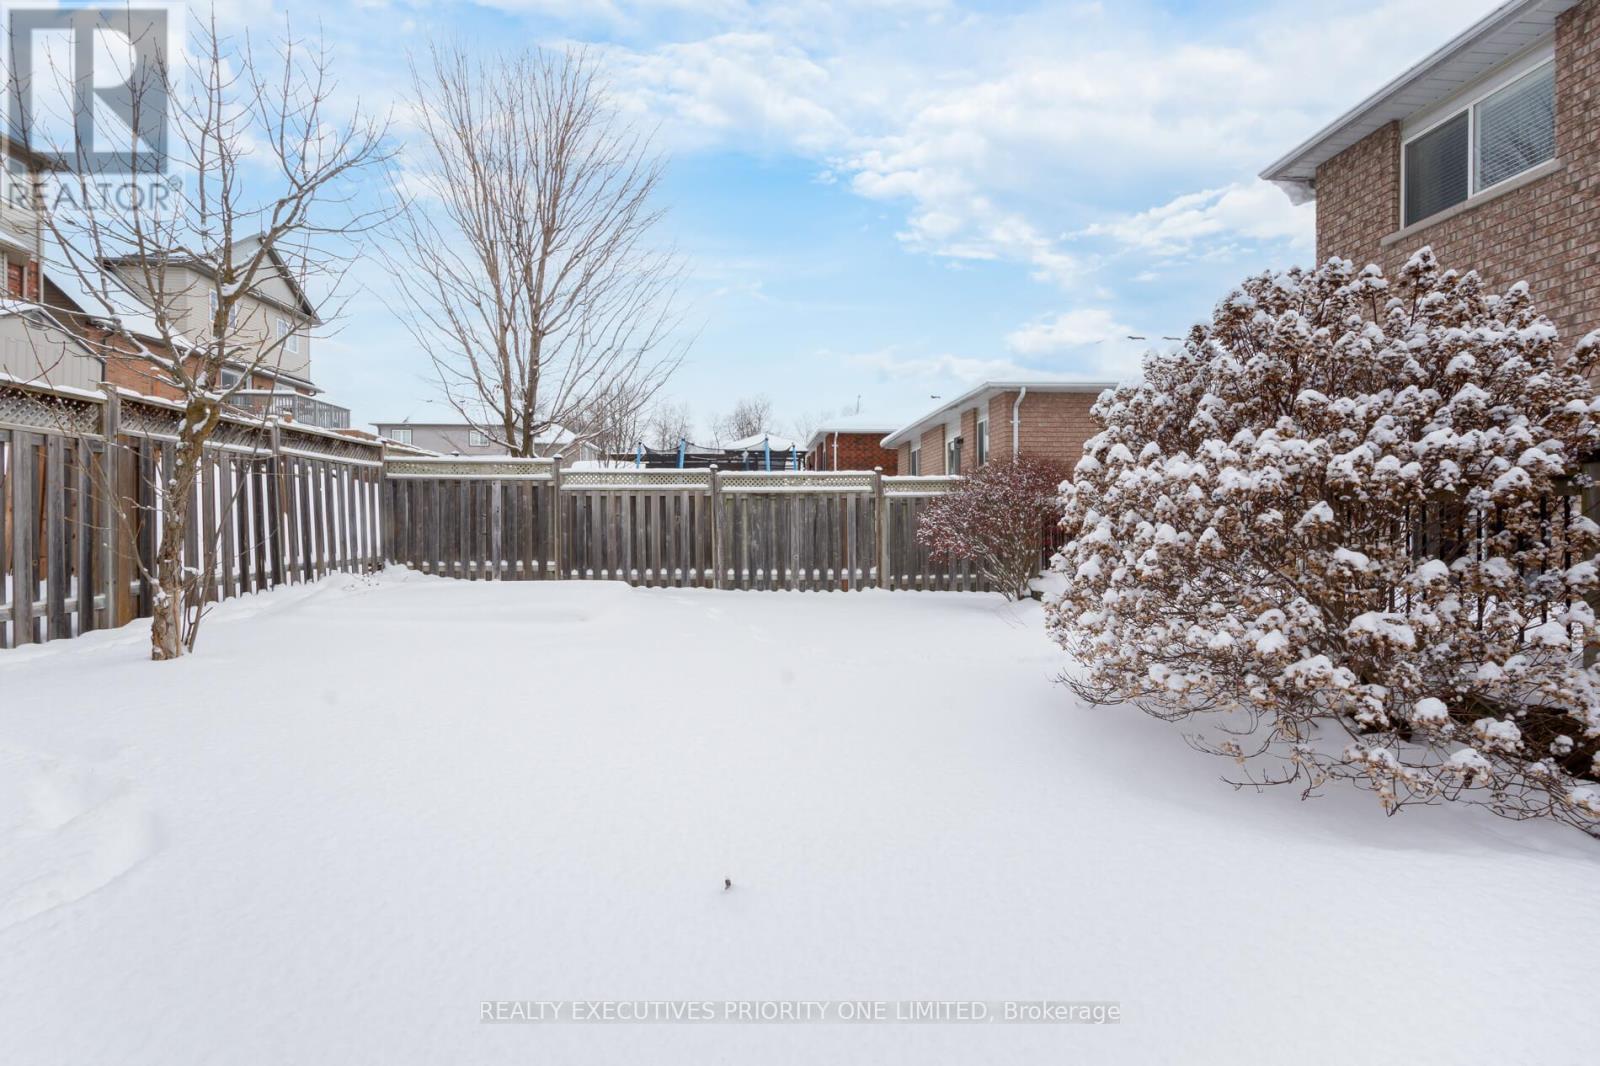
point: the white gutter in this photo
(1016, 424)
(910, 432)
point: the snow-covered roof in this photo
(112, 298)
(774, 441)
(940, 413)
(243, 249)
(870, 425)
(553, 434)
(1505, 32)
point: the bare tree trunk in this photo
(171, 592)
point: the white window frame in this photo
(289, 335)
(916, 459)
(225, 373)
(980, 446)
(400, 435)
(477, 438)
(1467, 101)
(233, 311)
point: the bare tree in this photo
(749, 416)
(614, 423)
(668, 424)
(257, 192)
(523, 259)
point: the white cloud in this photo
(748, 87)
(938, 370)
(1255, 210)
(1012, 137)
(1069, 329)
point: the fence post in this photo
(277, 503)
(555, 519)
(716, 527)
(119, 608)
(880, 518)
(385, 534)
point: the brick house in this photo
(851, 443)
(1488, 151)
(61, 336)
(994, 420)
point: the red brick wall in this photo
(933, 451)
(969, 440)
(1546, 233)
(856, 451)
(1000, 427)
(1053, 425)
(1358, 197)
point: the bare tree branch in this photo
(522, 260)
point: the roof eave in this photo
(1298, 168)
(904, 434)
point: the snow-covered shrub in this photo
(1338, 510)
(997, 518)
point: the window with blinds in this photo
(1436, 170)
(1497, 136)
(1517, 127)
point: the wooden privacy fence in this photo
(80, 510)
(519, 519)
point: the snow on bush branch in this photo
(1335, 519)
(998, 519)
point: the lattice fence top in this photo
(455, 467)
(928, 485)
(636, 480)
(798, 481)
(76, 413)
(48, 411)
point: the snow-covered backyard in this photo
(366, 806)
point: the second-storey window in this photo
(286, 333)
(400, 436)
(233, 309)
(1510, 129)
(476, 438)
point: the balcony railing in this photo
(306, 409)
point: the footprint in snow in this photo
(66, 831)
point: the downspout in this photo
(1016, 423)
(836, 449)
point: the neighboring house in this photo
(996, 420)
(53, 328)
(460, 438)
(275, 309)
(1488, 151)
(851, 442)
(53, 337)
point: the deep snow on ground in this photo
(367, 805)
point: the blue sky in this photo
(893, 199)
